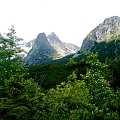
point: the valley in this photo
(55, 80)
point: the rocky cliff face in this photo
(41, 51)
(47, 48)
(62, 48)
(102, 32)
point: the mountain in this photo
(104, 39)
(62, 48)
(103, 32)
(47, 48)
(41, 51)
(101, 39)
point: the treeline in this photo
(85, 90)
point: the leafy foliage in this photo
(85, 90)
(114, 76)
(10, 62)
(49, 76)
(68, 98)
(105, 49)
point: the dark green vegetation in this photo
(107, 49)
(49, 76)
(84, 90)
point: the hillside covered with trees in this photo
(84, 90)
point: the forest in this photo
(88, 89)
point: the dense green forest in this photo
(88, 89)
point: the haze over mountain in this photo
(46, 48)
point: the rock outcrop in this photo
(62, 48)
(102, 32)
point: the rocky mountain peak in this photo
(41, 35)
(40, 52)
(41, 40)
(62, 48)
(112, 20)
(53, 38)
(52, 34)
(47, 48)
(102, 32)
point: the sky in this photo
(70, 20)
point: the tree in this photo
(102, 95)
(17, 95)
(10, 62)
(68, 101)
(114, 77)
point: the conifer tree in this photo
(10, 62)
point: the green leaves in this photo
(8, 52)
(82, 92)
(66, 98)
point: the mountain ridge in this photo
(102, 32)
(46, 48)
(103, 39)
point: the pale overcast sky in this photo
(71, 20)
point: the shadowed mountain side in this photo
(41, 51)
(102, 32)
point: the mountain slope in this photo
(103, 32)
(40, 52)
(62, 48)
(104, 39)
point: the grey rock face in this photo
(46, 48)
(101, 32)
(61, 47)
(40, 52)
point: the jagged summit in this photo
(52, 35)
(112, 19)
(53, 38)
(41, 41)
(41, 51)
(102, 32)
(62, 48)
(41, 36)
